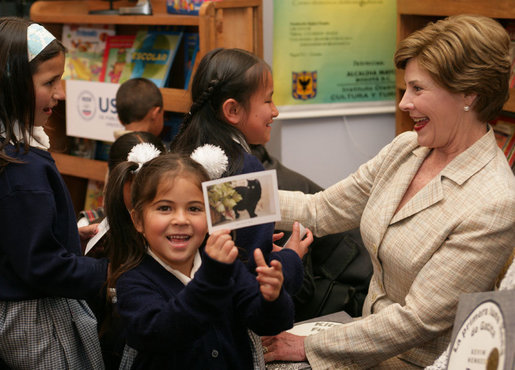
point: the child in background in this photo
(139, 104)
(110, 332)
(118, 153)
(186, 302)
(232, 108)
(44, 322)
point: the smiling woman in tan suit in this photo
(436, 207)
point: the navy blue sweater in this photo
(260, 236)
(39, 243)
(202, 325)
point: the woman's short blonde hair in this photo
(467, 54)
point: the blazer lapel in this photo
(426, 197)
(458, 170)
(398, 186)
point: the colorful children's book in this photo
(191, 46)
(116, 55)
(85, 45)
(190, 7)
(504, 131)
(84, 148)
(94, 195)
(152, 55)
(102, 149)
(509, 151)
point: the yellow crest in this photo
(304, 85)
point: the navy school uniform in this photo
(260, 236)
(202, 325)
(43, 277)
(40, 241)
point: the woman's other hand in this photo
(284, 347)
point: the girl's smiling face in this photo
(48, 88)
(174, 223)
(256, 127)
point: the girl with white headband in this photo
(44, 320)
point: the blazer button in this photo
(214, 353)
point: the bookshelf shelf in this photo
(415, 14)
(226, 23)
(78, 12)
(494, 8)
(80, 167)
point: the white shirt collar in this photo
(179, 275)
(244, 144)
(39, 138)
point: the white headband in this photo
(38, 38)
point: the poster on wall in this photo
(334, 53)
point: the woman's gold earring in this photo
(466, 108)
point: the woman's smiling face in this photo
(438, 115)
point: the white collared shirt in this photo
(179, 275)
(39, 138)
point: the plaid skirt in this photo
(49, 333)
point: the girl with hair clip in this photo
(186, 301)
(44, 322)
(232, 108)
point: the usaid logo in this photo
(86, 105)
(91, 110)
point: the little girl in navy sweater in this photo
(185, 299)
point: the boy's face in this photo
(257, 126)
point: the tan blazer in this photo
(452, 237)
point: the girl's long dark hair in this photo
(124, 246)
(222, 74)
(17, 99)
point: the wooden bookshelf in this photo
(227, 23)
(80, 167)
(415, 14)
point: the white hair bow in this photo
(212, 158)
(142, 153)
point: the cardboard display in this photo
(484, 332)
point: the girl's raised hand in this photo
(271, 278)
(299, 246)
(276, 237)
(220, 247)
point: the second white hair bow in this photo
(212, 158)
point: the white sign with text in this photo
(91, 110)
